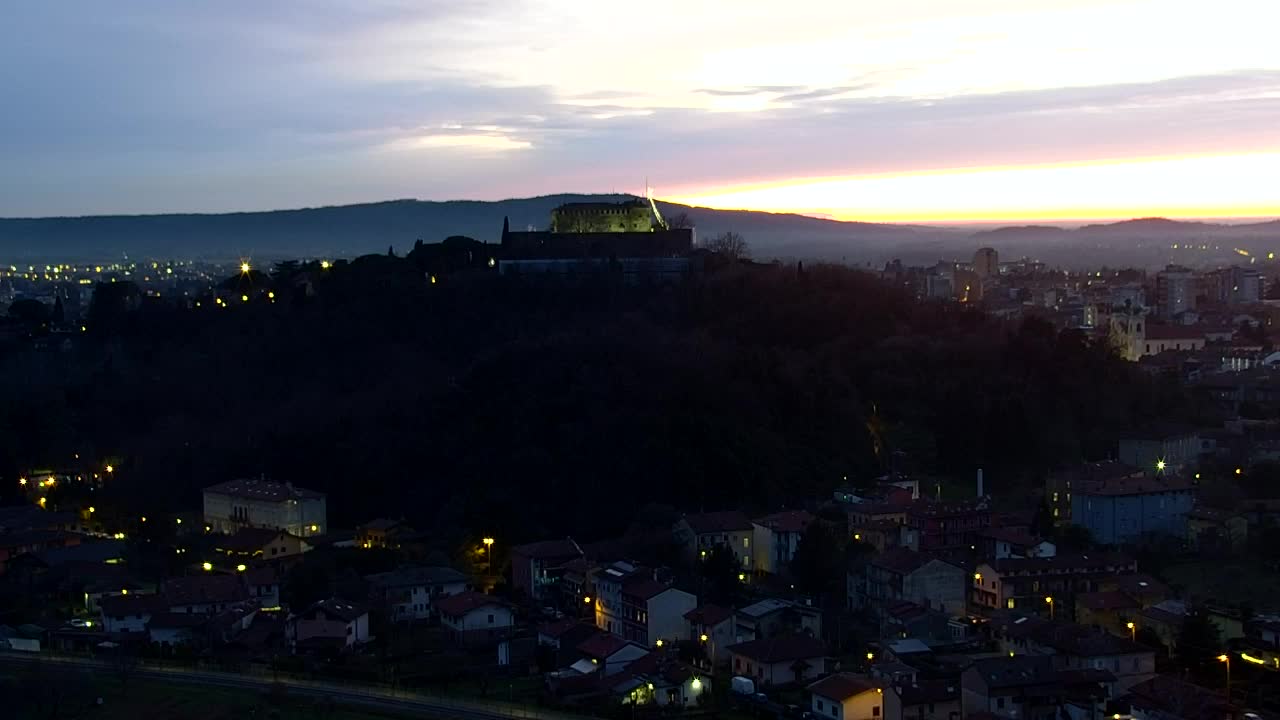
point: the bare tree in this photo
(681, 221)
(730, 244)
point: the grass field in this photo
(157, 700)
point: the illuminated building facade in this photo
(238, 504)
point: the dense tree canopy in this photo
(476, 405)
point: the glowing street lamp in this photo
(1160, 465)
(241, 567)
(207, 566)
(1049, 601)
(244, 268)
(110, 469)
(703, 637)
(1133, 631)
(1224, 658)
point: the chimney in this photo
(980, 493)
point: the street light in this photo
(1227, 659)
(488, 553)
(1133, 631)
(1049, 600)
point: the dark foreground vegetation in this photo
(475, 405)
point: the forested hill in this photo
(351, 230)
(483, 405)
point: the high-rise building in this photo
(986, 262)
(1175, 291)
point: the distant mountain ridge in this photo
(351, 230)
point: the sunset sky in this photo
(902, 110)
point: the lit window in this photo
(746, 542)
(1055, 497)
(1055, 512)
(1009, 604)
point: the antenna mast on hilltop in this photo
(657, 216)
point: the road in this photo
(402, 701)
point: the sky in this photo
(881, 110)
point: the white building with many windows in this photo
(237, 504)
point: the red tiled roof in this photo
(550, 549)
(1013, 537)
(203, 589)
(708, 615)
(1174, 332)
(1106, 601)
(1091, 562)
(842, 686)
(643, 587)
(901, 560)
(557, 628)
(719, 522)
(601, 646)
(786, 521)
(464, 602)
(780, 649)
(1137, 486)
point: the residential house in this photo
(475, 618)
(21, 542)
(258, 543)
(1058, 484)
(1165, 620)
(383, 533)
(867, 513)
(1075, 647)
(1123, 510)
(328, 624)
(899, 574)
(605, 655)
(730, 529)
(1166, 697)
(129, 613)
(1000, 543)
(712, 627)
(562, 638)
(779, 660)
(1025, 583)
(774, 616)
(535, 566)
(923, 700)
(658, 679)
(639, 604)
(846, 696)
(409, 593)
(1144, 589)
(1110, 610)
(1210, 529)
(264, 584)
(169, 628)
(949, 526)
(1026, 688)
(776, 537)
(203, 594)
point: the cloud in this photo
(756, 90)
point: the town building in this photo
(410, 593)
(1124, 509)
(1001, 543)
(1025, 583)
(1176, 291)
(773, 617)
(536, 567)
(846, 696)
(986, 263)
(779, 660)
(203, 594)
(237, 504)
(730, 529)
(776, 537)
(950, 526)
(260, 543)
(605, 654)
(1211, 529)
(634, 603)
(328, 624)
(129, 613)
(898, 575)
(632, 216)
(383, 533)
(264, 584)
(1075, 647)
(923, 699)
(475, 618)
(1058, 484)
(711, 626)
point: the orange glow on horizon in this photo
(1195, 187)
